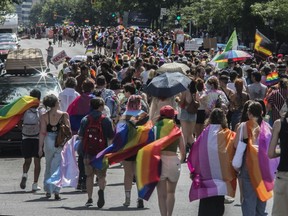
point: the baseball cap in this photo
(168, 112)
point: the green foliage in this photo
(273, 13)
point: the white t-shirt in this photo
(66, 97)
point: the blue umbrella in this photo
(168, 84)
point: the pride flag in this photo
(12, 113)
(272, 78)
(148, 162)
(261, 169)
(126, 143)
(79, 108)
(67, 173)
(210, 162)
(89, 48)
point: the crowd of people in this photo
(236, 109)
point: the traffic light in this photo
(55, 16)
(178, 17)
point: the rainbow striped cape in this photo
(210, 162)
(126, 143)
(272, 78)
(148, 162)
(12, 113)
(79, 108)
(261, 169)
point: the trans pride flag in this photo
(210, 162)
(12, 113)
(126, 143)
(261, 169)
(148, 166)
(67, 173)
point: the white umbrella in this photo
(173, 67)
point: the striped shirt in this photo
(277, 99)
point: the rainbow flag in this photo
(148, 162)
(12, 113)
(79, 108)
(126, 143)
(210, 162)
(116, 59)
(272, 78)
(261, 169)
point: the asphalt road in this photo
(15, 201)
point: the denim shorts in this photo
(185, 116)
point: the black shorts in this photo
(201, 116)
(30, 148)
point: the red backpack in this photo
(94, 140)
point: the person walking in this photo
(132, 115)
(95, 126)
(210, 165)
(50, 52)
(280, 199)
(67, 96)
(171, 164)
(30, 143)
(256, 176)
(49, 128)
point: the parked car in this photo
(5, 47)
(13, 86)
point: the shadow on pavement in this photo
(120, 208)
(16, 192)
(115, 184)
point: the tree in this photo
(35, 16)
(274, 14)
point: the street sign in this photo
(163, 12)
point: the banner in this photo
(59, 58)
(262, 46)
(191, 45)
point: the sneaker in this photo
(140, 203)
(126, 203)
(48, 195)
(228, 200)
(23, 181)
(89, 202)
(35, 187)
(101, 200)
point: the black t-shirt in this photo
(283, 165)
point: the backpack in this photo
(31, 123)
(94, 140)
(192, 107)
(64, 134)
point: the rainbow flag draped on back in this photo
(261, 169)
(272, 78)
(12, 113)
(210, 162)
(148, 162)
(126, 143)
(79, 108)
